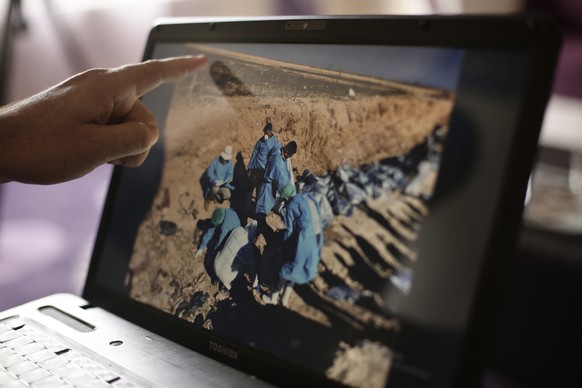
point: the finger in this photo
(131, 161)
(132, 145)
(120, 142)
(143, 141)
(139, 112)
(148, 75)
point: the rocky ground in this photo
(336, 324)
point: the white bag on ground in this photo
(238, 253)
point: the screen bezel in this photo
(535, 34)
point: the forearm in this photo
(18, 148)
(5, 135)
(206, 238)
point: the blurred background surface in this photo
(47, 232)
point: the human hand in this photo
(93, 118)
(199, 253)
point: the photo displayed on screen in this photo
(292, 194)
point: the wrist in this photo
(5, 136)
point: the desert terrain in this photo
(337, 119)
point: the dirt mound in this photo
(361, 365)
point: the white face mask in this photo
(266, 137)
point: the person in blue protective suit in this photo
(216, 182)
(223, 221)
(277, 175)
(258, 162)
(302, 240)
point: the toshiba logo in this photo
(224, 350)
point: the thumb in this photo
(129, 142)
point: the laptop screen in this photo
(326, 206)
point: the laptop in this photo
(333, 201)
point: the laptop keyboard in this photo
(29, 358)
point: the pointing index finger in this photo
(148, 75)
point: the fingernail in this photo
(155, 130)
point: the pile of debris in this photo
(339, 191)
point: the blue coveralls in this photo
(303, 222)
(218, 171)
(277, 175)
(231, 221)
(261, 152)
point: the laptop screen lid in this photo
(331, 199)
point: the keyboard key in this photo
(50, 382)
(67, 371)
(7, 380)
(11, 360)
(28, 348)
(82, 361)
(41, 355)
(55, 347)
(48, 342)
(4, 327)
(6, 351)
(75, 357)
(103, 373)
(35, 375)
(8, 335)
(22, 368)
(124, 384)
(107, 375)
(54, 363)
(18, 342)
(94, 368)
(80, 378)
(95, 384)
(35, 335)
(6, 377)
(15, 323)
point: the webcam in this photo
(305, 25)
